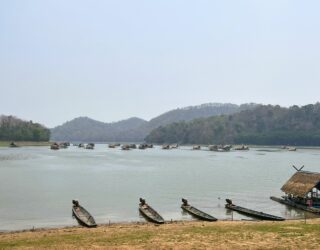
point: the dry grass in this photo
(177, 235)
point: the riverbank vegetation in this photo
(263, 125)
(176, 235)
(15, 129)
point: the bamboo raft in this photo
(296, 205)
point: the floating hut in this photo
(302, 191)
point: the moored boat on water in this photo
(90, 146)
(242, 147)
(196, 212)
(165, 146)
(142, 146)
(54, 146)
(252, 213)
(83, 217)
(125, 147)
(13, 145)
(149, 213)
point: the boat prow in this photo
(83, 217)
(149, 213)
(196, 212)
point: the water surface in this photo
(37, 184)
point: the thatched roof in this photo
(301, 183)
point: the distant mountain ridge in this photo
(136, 129)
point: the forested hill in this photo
(135, 129)
(86, 129)
(15, 129)
(263, 125)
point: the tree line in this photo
(263, 125)
(15, 129)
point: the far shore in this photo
(291, 234)
(25, 143)
(48, 143)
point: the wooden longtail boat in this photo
(149, 213)
(83, 217)
(196, 212)
(252, 213)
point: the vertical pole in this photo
(305, 218)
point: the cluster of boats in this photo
(84, 218)
(56, 146)
(216, 148)
(62, 145)
(134, 146)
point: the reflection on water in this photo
(38, 184)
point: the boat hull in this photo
(83, 217)
(253, 213)
(151, 215)
(198, 213)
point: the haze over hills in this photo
(136, 129)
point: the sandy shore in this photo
(176, 235)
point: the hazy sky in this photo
(111, 60)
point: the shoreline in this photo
(119, 223)
(193, 234)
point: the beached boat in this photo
(111, 145)
(83, 217)
(196, 212)
(196, 147)
(252, 213)
(149, 213)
